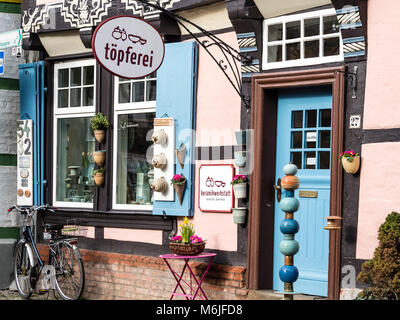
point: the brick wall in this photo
(113, 276)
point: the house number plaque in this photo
(308, 194)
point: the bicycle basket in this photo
(72, 228)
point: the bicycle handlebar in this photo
(31, 210)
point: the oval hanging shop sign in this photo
(128, 47)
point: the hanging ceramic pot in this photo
(239, 189)
(240, 158)
(180, 190)
(159, 185)
(351, 167)
(99, 135)
(181, 154)
(99, 178)
(239, 215)
(159, 137)
(100, 157)
(159, 161)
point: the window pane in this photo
(152, 76)
(75, 77)
(134, 172)
(295, 157)
(311, 139)
(138, 91)
(331, 47)
(124, 93)
(325, 118)
(325, 139)
(324, 159)
(297, 138)
(293, 51)
(311, 27)
(75, 97)
(274, 53)
(310, 160)
(75, 147)
(293, 30)
(311, 118)
(331, 25)
(275, 32)
(311, 49)
(88, 75)
(63, 78)
(87, 98)
(63, 98)
(151, 90)
(297, 119)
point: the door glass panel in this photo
(310, 160)
(295, 157)
(325, 118)
(311, 118)
(311, 139)
(325, 139)
(297, 139)
(297, 119)
(324, 159)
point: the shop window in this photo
(134, 113)
(302, 39)
(74, 105)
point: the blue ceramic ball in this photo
(290, 204)
(290, 169)
(289, 247)
(289, 226)
(288, 273)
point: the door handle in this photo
(278, 189)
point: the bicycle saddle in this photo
(53, 227)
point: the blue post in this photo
(289, 227)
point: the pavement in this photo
(13, 295)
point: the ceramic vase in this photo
(159, 161)
(239, 189)
(99, 135)
(180, 190)
(159, 185)
(181, 154)
(351, 167)
(159, 137)
(240, 158)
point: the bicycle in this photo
(64, 270)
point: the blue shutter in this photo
(176, 96)
(31, 86)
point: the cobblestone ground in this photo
(13, 295)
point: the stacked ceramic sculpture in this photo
(289, 227)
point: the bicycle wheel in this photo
(23, 270)
(70, 275)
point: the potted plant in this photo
(350, 161)
(99, 123)
(187, 243)
(239, 183)
(239, 215)
(99, 176)
(178, 181)
(100, 157)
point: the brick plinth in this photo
(114, 276)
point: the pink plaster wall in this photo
(379, 193)
(382, 95)
(218, 104)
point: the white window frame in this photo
(65, 113)
(120, 109)
(302, 61)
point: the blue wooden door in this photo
(304, 138)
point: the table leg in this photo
(201, 280)
(176, 278)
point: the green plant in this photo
(98, 171)
(99, 122)
(348, 155)
(239, 179)
(383, 270)
(187, 230)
